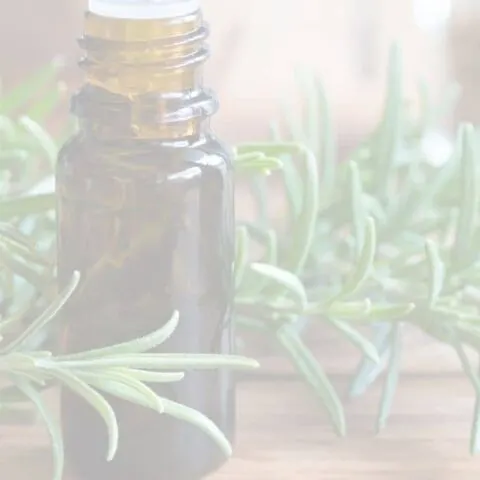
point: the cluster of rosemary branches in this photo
(386, 237)
(383, 238)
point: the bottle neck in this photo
(144, 78)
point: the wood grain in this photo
(284, 435)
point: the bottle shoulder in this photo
(84, 156)
(82, 148)
(81, 144)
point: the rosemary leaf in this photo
(359, 215)
(357, 339)
(53, 428)
(51, 311)
(97, 401)
(469, 197)
(327, 154)
(256, 162)
(285, 280)
(296, 254)
(437, 272)
(26, 205)
(348, 310)
(139, 345)
(311, 371)
(157, 361)
(148, 376)
(391, 380)
(293, 186)
(363, 269)
(45, 142)
(474, 379)
(127, 386)
(189, 415)
(368, 371)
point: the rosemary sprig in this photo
(122, 370)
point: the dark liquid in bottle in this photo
(149, 224)
(150, 232)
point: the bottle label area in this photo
(143, 9)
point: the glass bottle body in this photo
(150, 232)
(145, 213)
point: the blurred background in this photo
(257, 44)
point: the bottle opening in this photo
(143, 9)
(134, 91)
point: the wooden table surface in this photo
(283, 433)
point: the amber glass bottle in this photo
(145, 213)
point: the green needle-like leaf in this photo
(391, 381)
(359, 215)
(139, 345)
(263, 284)
(368, 371)
(256, 162)
(45, 142)
(189, 415)
(475, 429)
(327, 154)
(474, 379)
(363, 269)
(136, 391)
(304, 227)
(469, 197)
(96, 400)
(150, 377)
(28, 254)
(42, 108)
(271, 254)
(23, 269)
(347, 310)
(291, 177)
(357, 339)
(388, 313)
(391, 127)
(160, 361)
(51, 423)
(27, 205)
(284, 280)
(437, 272)
(51, 311)
(293, 186)
(311, 371)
